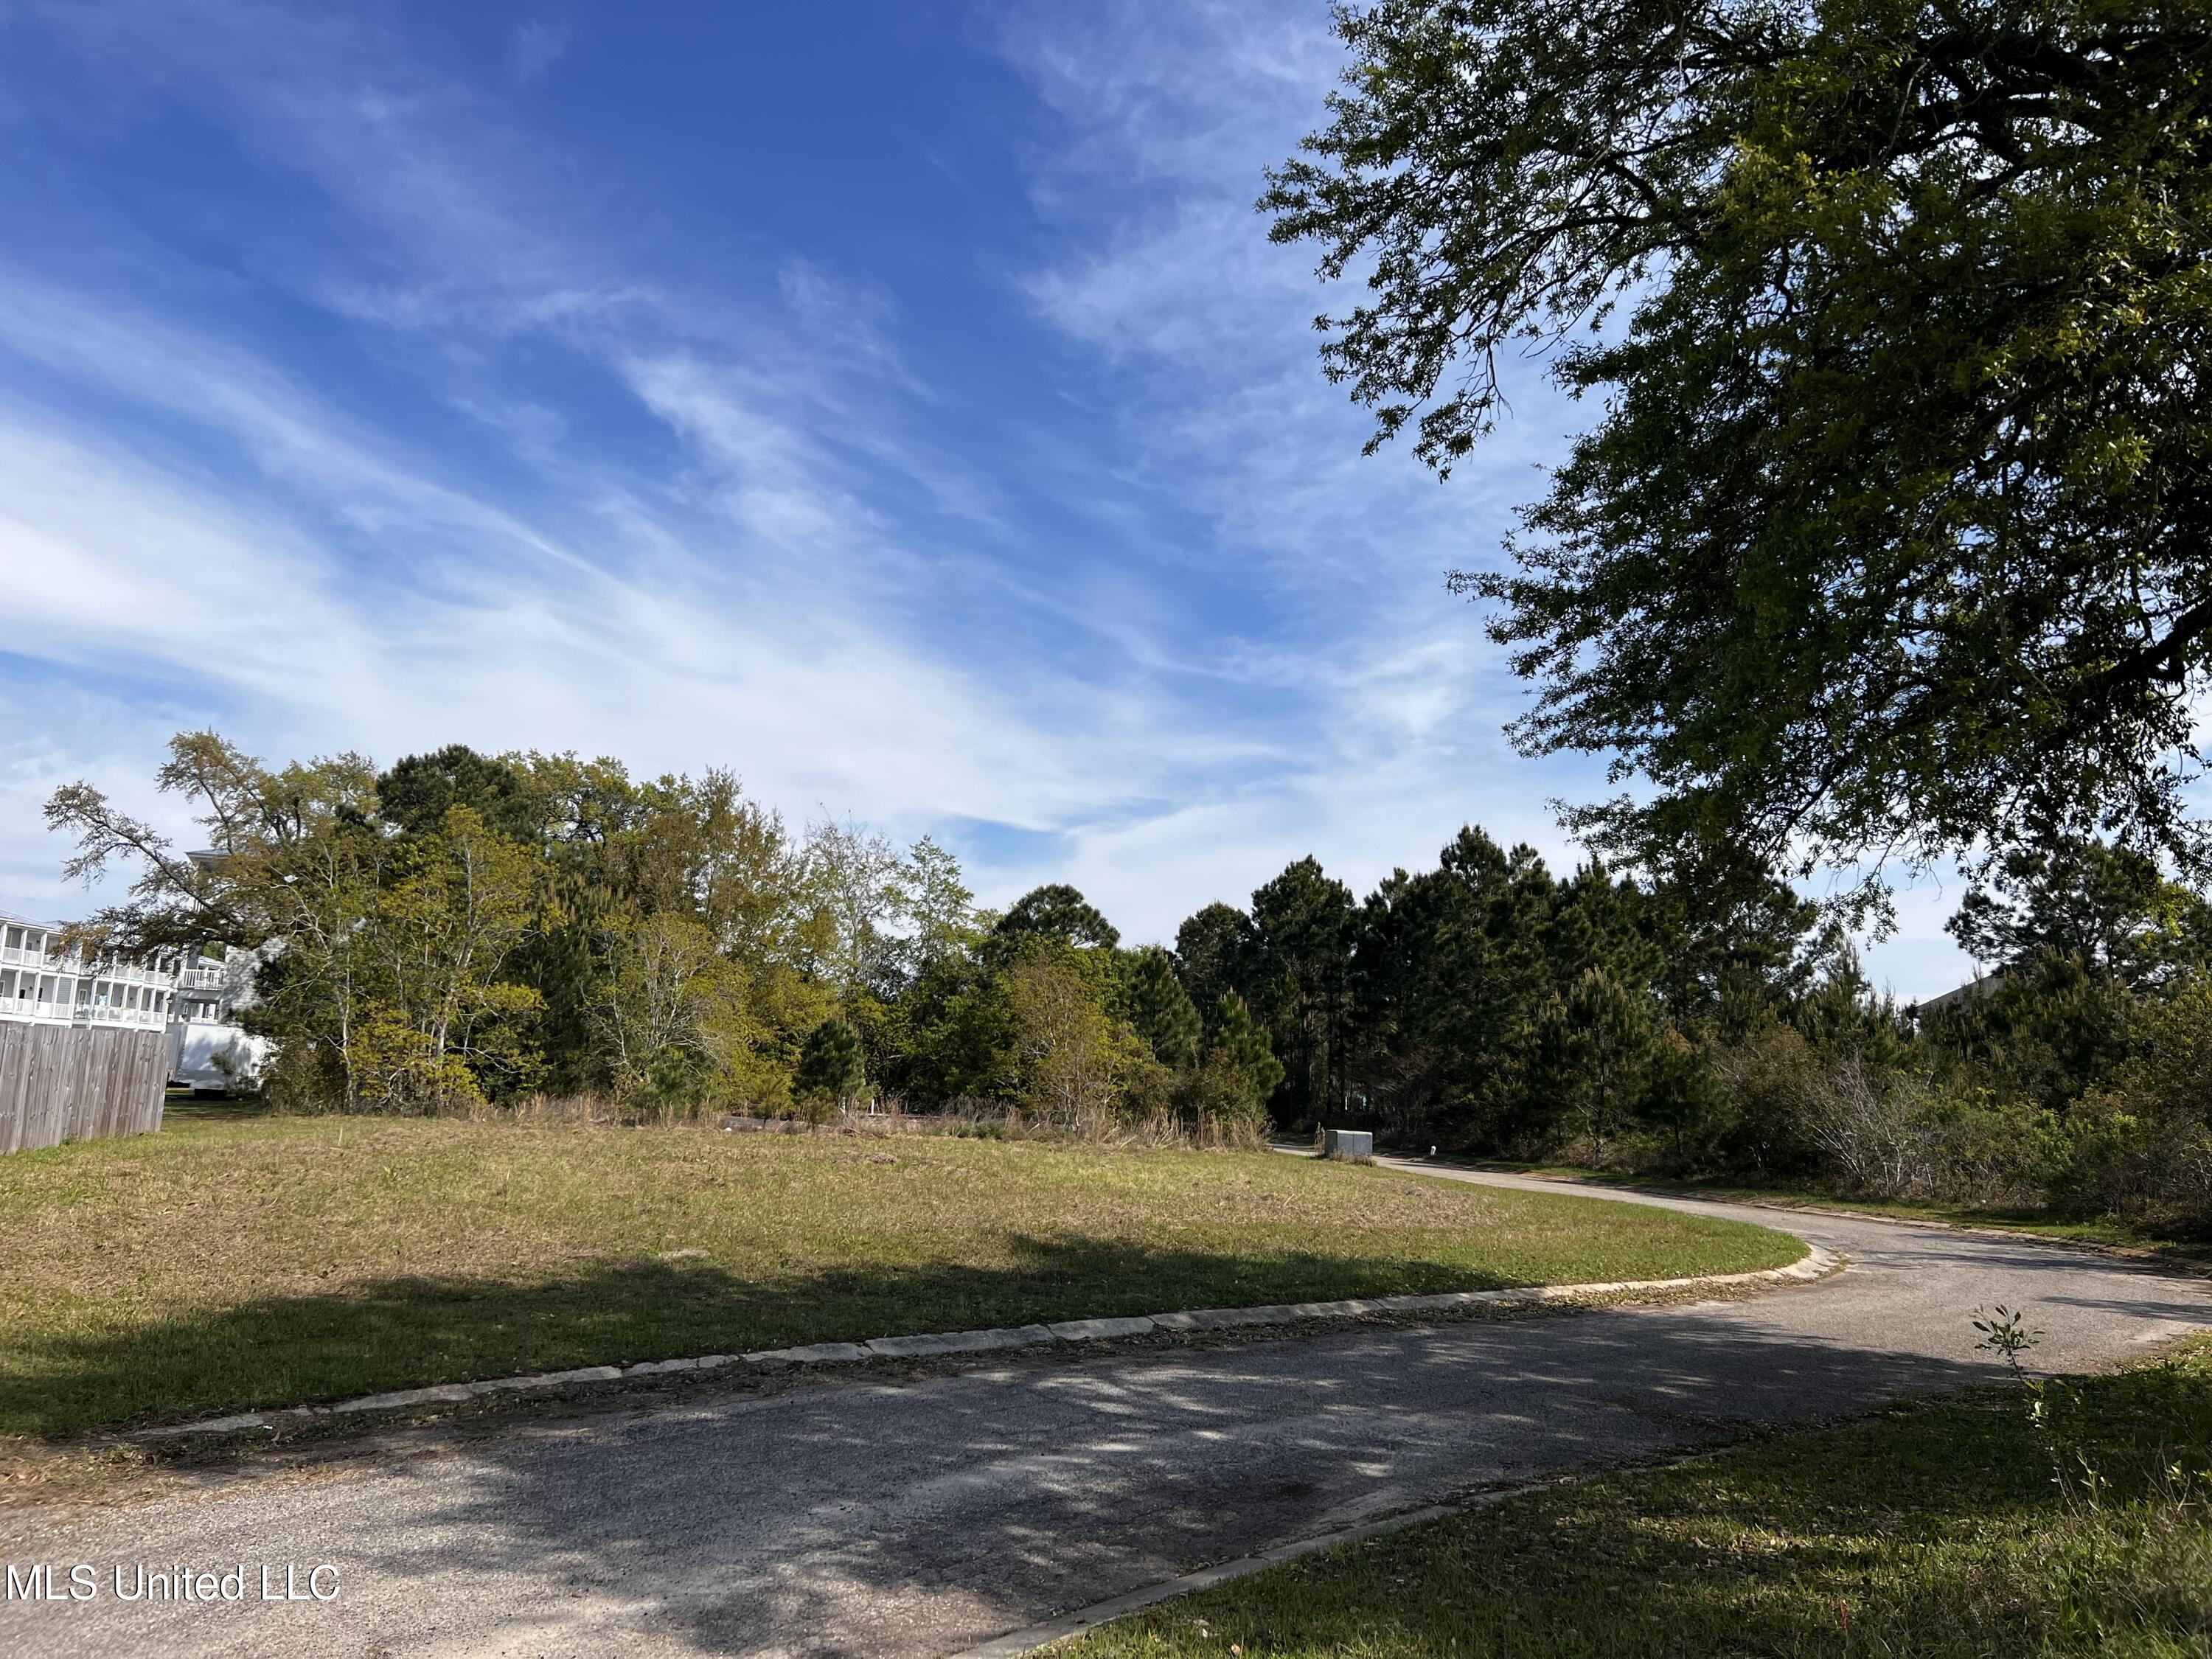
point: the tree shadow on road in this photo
(1931, 1528)
(919, 1518)
(62, 1377)
(916, 1514)
(897, 1520)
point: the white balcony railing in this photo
(144, 1018)
(147, 993)
(58, 1013)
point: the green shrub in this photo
(2142, 1148)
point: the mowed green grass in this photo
(1935, 1529)
(256, 1262)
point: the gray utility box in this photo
(1353, 1145)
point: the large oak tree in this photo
(1892, 532)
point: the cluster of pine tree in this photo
(1489, 1005)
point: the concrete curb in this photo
(1016, 1642)
(1816, 1263)
(2149, 1260)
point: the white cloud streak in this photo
(785, 569)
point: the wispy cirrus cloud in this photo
(1389, 698)
(414, 407)
(1173, 118)
(537, 45)
(322, 585)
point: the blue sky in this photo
(900, 404)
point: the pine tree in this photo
(1155, 1003)
(1246, 1047)
(830, 1071)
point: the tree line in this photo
(462, 929)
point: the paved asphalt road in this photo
(920, 1518)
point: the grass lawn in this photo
(1933, 1529)
(2038, 1222)
(234, 1261)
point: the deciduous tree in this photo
(1889, 535)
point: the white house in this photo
(209, 1050)
(42, 982)
(194, 998)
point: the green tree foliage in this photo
(260, 827)
(2110, 908)
(2044, 1032)
(1155, 1003)
(1888, 537)
(1214, 952)
(1731, 945)
(415, 796)
(1460, 972)
(2143, 1135)
(562, 960)
(1426, 1004)
(1599, 1045)
(1451, 972)
(1300, 982)
(1057, 911)
(672, 944)
(444, 1025)
(953, 1036)
(831, 1071)
(1239, 1047)
(391, 986)
(673, 1016)
(1068, 1059)
(520, 917)
(855, 887)
(936, 908)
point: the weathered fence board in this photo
(78, 1082)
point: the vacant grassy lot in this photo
(1934, 1529)
(262, 1261)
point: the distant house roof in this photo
(1979, 986)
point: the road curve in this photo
(868, 1518)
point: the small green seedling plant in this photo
(2050, 1402)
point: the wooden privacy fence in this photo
(77, 1082)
